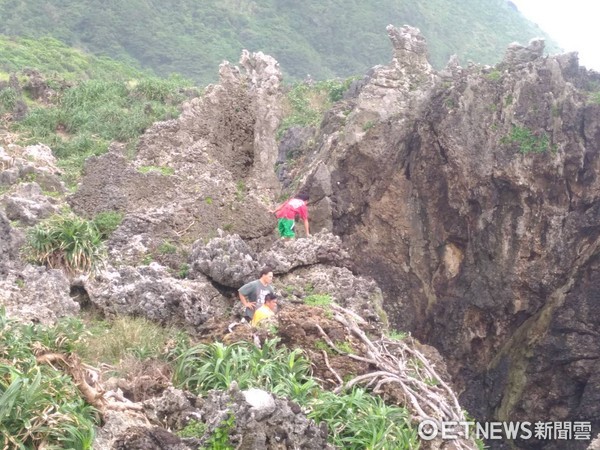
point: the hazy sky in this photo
(573, 24)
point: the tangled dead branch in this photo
(396, 364)
(86, 379)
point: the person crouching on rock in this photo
(265, 311)
(253, 294)
(286, 215)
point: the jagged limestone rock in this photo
(10, 241)
(286, 255)
(271, 424)
(151, 292)
(227, 260)
(37, 295)
(28, 204)
(356, 293)
(517, 54)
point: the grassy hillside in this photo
(324, 39)
(91, 102)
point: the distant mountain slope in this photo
(320, 38)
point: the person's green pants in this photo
(286, 227)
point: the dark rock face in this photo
(473, 200)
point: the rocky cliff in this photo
(463, 202)
(471, 196)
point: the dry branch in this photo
(87, 381)
(394, 363)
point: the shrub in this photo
(307, 103)
(527, 141)
(107, 222)
(193, 429)
(184, 271)
(68, 242)
(215, 366)
(8, 99)
(318, 300)
(167, 248)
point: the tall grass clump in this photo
(356, 419)
(40, 407)
(67, 242)
(359, 420)
(124, 338)
(8, 99)
(215, 366)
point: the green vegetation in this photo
(494, 75)
(194, 428)
(318, 300)
(326, 40)
(307, 102)
(527, 141)
(594, 97)
(162, 170)
(66, 241)
(92, 114)
(8, 100)
(220, 438)
(368, 125)
(321, 345)
(39, 406)
(123, 339)
(359, 420)
(167, 248)
(107, 222)
(184, 270)
(240, 190)
(397, 335)
(61, 62)
(92, 101)
(355, 419)
(216, 366)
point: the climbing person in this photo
(286, 215)
(267, 310)
(252, 294)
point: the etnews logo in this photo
(430, 429)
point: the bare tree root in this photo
(337, 376)
(86, 379)
(397, 364)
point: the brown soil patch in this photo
(298, 327)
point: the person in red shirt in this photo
(286, 215)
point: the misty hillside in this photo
(323, 39)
